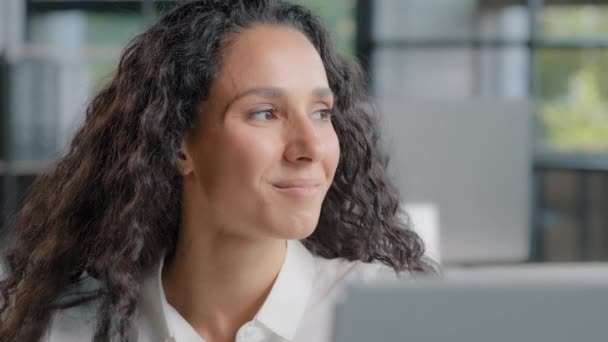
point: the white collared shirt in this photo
(299, 307)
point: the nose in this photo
(303, 139)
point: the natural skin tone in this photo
(255, 170)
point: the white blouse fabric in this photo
(299, 307)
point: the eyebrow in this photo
(272, 92)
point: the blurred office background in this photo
(495, 112)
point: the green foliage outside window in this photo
(574, 82)
(339, 17)
(116, 29)
(580, 119)
(111, 32)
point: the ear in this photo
(184, 160)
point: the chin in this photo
(303, 234)
(297, 229)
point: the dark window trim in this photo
(402, 44)
(51, 5)
(98, 5)
(364, 41)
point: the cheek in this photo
(250, 152)
(332, 152)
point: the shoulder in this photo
(73, 324)
(342, 272)
(333, 276)
(75, 317)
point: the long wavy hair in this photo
(112, 202)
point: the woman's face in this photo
(264, 152)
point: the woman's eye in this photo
(324, 114)
(263, 115)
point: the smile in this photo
(298, 188)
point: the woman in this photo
(223, 186)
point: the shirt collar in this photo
(281, 312)
(288, 298)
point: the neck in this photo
(218, 282)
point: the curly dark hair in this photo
(109, 206)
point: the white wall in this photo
(472, 161)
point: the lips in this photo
(298, 183)
(298, 187)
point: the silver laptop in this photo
(478, 308)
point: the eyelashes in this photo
(270, 114)
(325, 114)
(263, 115)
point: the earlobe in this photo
(184, 162)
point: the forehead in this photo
(273, 56)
